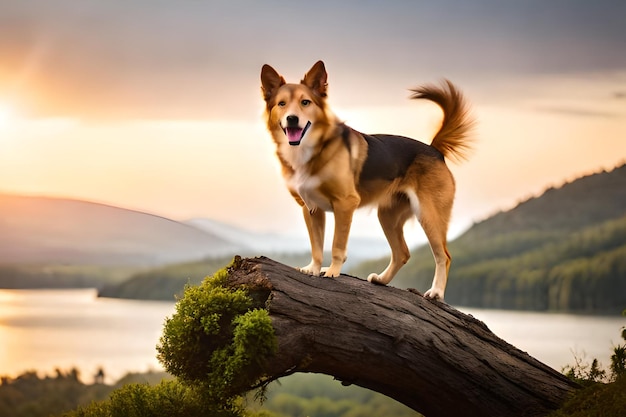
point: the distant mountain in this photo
(270, 244)
(57, 230)
(564, 250)
(263, 243)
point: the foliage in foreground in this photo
(155, 394)
(217, 341)
(215, 334)
(31, 395)
(598, 398)
(169, 398)
(214, 344)
(320, 395)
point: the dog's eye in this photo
(305, 102)
(281, 104)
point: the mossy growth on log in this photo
(218, 338)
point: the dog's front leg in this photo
(315, 223)
(343, 210)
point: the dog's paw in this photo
(375, 279)
(311, 269)
(434, 294)
(331, 271)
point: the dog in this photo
(330, 167)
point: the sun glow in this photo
(6, 115)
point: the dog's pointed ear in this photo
(270, 81)
(316, 79)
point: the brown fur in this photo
(328, 166)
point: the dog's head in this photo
(294, 109)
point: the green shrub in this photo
(598, 398)
(169, 398)
(215, 344)
(618, 359)
(217, 339)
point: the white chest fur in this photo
(302, 181)
(307, 187)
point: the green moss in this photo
(598, 399)
(217, 339)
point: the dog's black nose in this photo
(292, 121)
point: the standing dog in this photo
(330, 167)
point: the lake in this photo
(46, 329)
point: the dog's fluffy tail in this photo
(452, 140)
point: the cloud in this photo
(194, 59)
(571, 111)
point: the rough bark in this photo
(425, 354)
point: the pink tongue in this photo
(294, 134)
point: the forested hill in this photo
(564, 250)
(584, 202)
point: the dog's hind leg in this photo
(315, 224)
(434, 217)
(392, 220)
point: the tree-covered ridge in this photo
(167, 282)
(564, 250)
(580, 203)
(163, 283)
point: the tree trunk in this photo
(425, 354)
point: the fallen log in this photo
(423, 353)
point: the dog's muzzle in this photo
(293, 130)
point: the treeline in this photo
(164, 283)
(286, 405)
(168, 282)
(31, 395)
(60, 276)
(565, 251)
(583, 272)
(322, 396)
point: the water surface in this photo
(45, 329)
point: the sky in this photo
(155, 105)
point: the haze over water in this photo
(46, 329)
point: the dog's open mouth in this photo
(295, 134)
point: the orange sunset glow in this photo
(136, 115)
